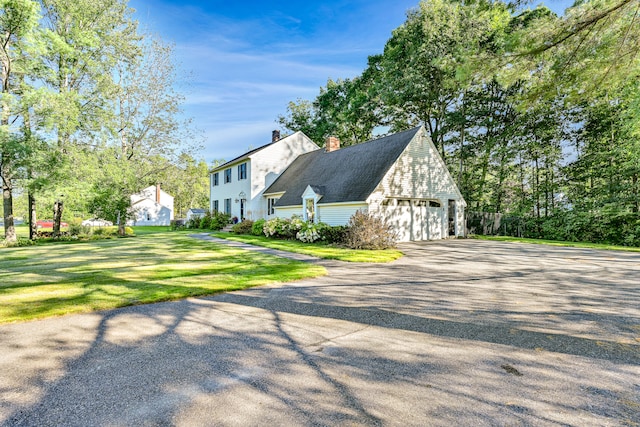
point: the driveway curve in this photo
(458, 332)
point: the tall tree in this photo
(18, 26)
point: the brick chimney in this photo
(275, 135)
(158, 193)
(331, 144)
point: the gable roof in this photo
(241, 157)
(345, 175)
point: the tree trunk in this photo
(121, 231)
(57, 216)
(33, 225)
(7, 202)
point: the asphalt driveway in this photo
(457, 332)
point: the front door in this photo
(242, 202)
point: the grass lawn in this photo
(584, 245)
(320, 250)
(52, 280)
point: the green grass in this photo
(52, 280)
(584, 245)
(320, 250)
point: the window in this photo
(227, 175)
(433, 204)
(271, 201)
(403, 202)
(216, 206)
(310, 210)
(242, 171)
(216, 179)
(227, 206)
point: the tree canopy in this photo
(537, 115)
(90, 114)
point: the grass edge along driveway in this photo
(53, 280)
(320, 250)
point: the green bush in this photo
(257, 229)
(311, 232)
(334, 234)
(18, 243)
(244, 227)
(367, 231)
(204, 222)
(178, 224)
(218, 221)
(76, 228)
(283, 228)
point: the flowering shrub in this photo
(311, 232)
(283, 228)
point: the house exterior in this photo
(400, 177)
(195, 213)
(237, 186)
(151, 206)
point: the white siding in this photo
(419, 174)
(148, 212)
(339, 214)
(332, 214)
(231, 190)
(288, 211)
(263, 167)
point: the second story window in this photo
(216, 179)
(227, 175)
(242, 171)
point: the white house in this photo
(400, 177)
(151, 206)
(195, 213)
(236, 186)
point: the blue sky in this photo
(243, 61)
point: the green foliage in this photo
(283, 228)
(317, 249)
(336, 234)
(244, 227)
(257, 229)
(311, 232)
(219, 220)
(367, 231)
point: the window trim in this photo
(242, 171)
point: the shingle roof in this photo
(348, 174)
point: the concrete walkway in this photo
(454, 333)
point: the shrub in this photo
(204, 221)
(18, 243)
(283, 228)
(218, 221)
(178, 224)
(76, 228)
(257, 227)
(244, 227)
(311, 232)
(367, 231)
(334, 234)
